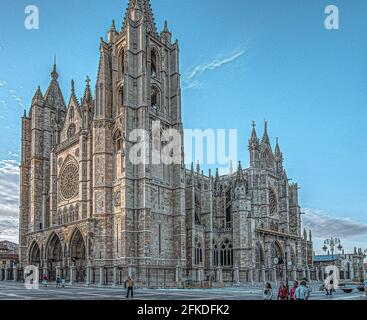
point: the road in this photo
(17, 291)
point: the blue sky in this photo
(241, 60)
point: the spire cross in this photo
(54, 73)
(87, 81)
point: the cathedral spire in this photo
(166, 34)
(112, 33)
(73, 97)
(53, 97)
(87, 93)
(54, 74)
(138, 9)
(113, 26)
(38, 97)
(277, 151)
(239, 173)
(265, 139)
(254, 141)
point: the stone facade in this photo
(86, 209)
(9, 258)
(351, 265)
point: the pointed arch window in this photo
(155, 99)
(197, 210)
(215, 256)
(117, 140)
(198, 254)
(154, 60)
(226, 254)
(273, 203)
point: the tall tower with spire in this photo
(40, 131)
(138, 87)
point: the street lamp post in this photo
(334, 244)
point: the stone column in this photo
(115, 271)
(72, 271)
(251, 276)
(263, 274)
(274, 271)
(1, 274)
(317, 274)
(322, 274)
(101, 276)
(6, 274)
(200, 274)
(352, 272)
(219, 275)
(294, 274)
(236, 275)
(177, 275)
(88, 272)
(58, 271)
(303, 272)
(285, 275)
(308, 271)
(45, 271)
(15, 274)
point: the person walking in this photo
(293, 290)
(283, 292)
(329, 288)
(45, 280)
(130, 287)
(62, 282)
(268, 292)
(365, 287)
(58, 282)
(302, 292)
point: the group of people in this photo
(60, 281)
(299, 291)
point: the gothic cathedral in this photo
(87, 213)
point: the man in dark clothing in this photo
(130, 287)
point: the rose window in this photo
(69, 182)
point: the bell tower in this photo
(137, 90)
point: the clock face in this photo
(276, 260)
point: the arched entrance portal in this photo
(277, 252)
(54, 256)
(35, 255)
(78, 255)
(259, 262)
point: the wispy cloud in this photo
(12, 154)
(13, 94)
(9, 199)
(325, 226)
(16, 97)
(190, 80)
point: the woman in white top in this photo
(268, 292)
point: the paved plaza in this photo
(17, 291)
